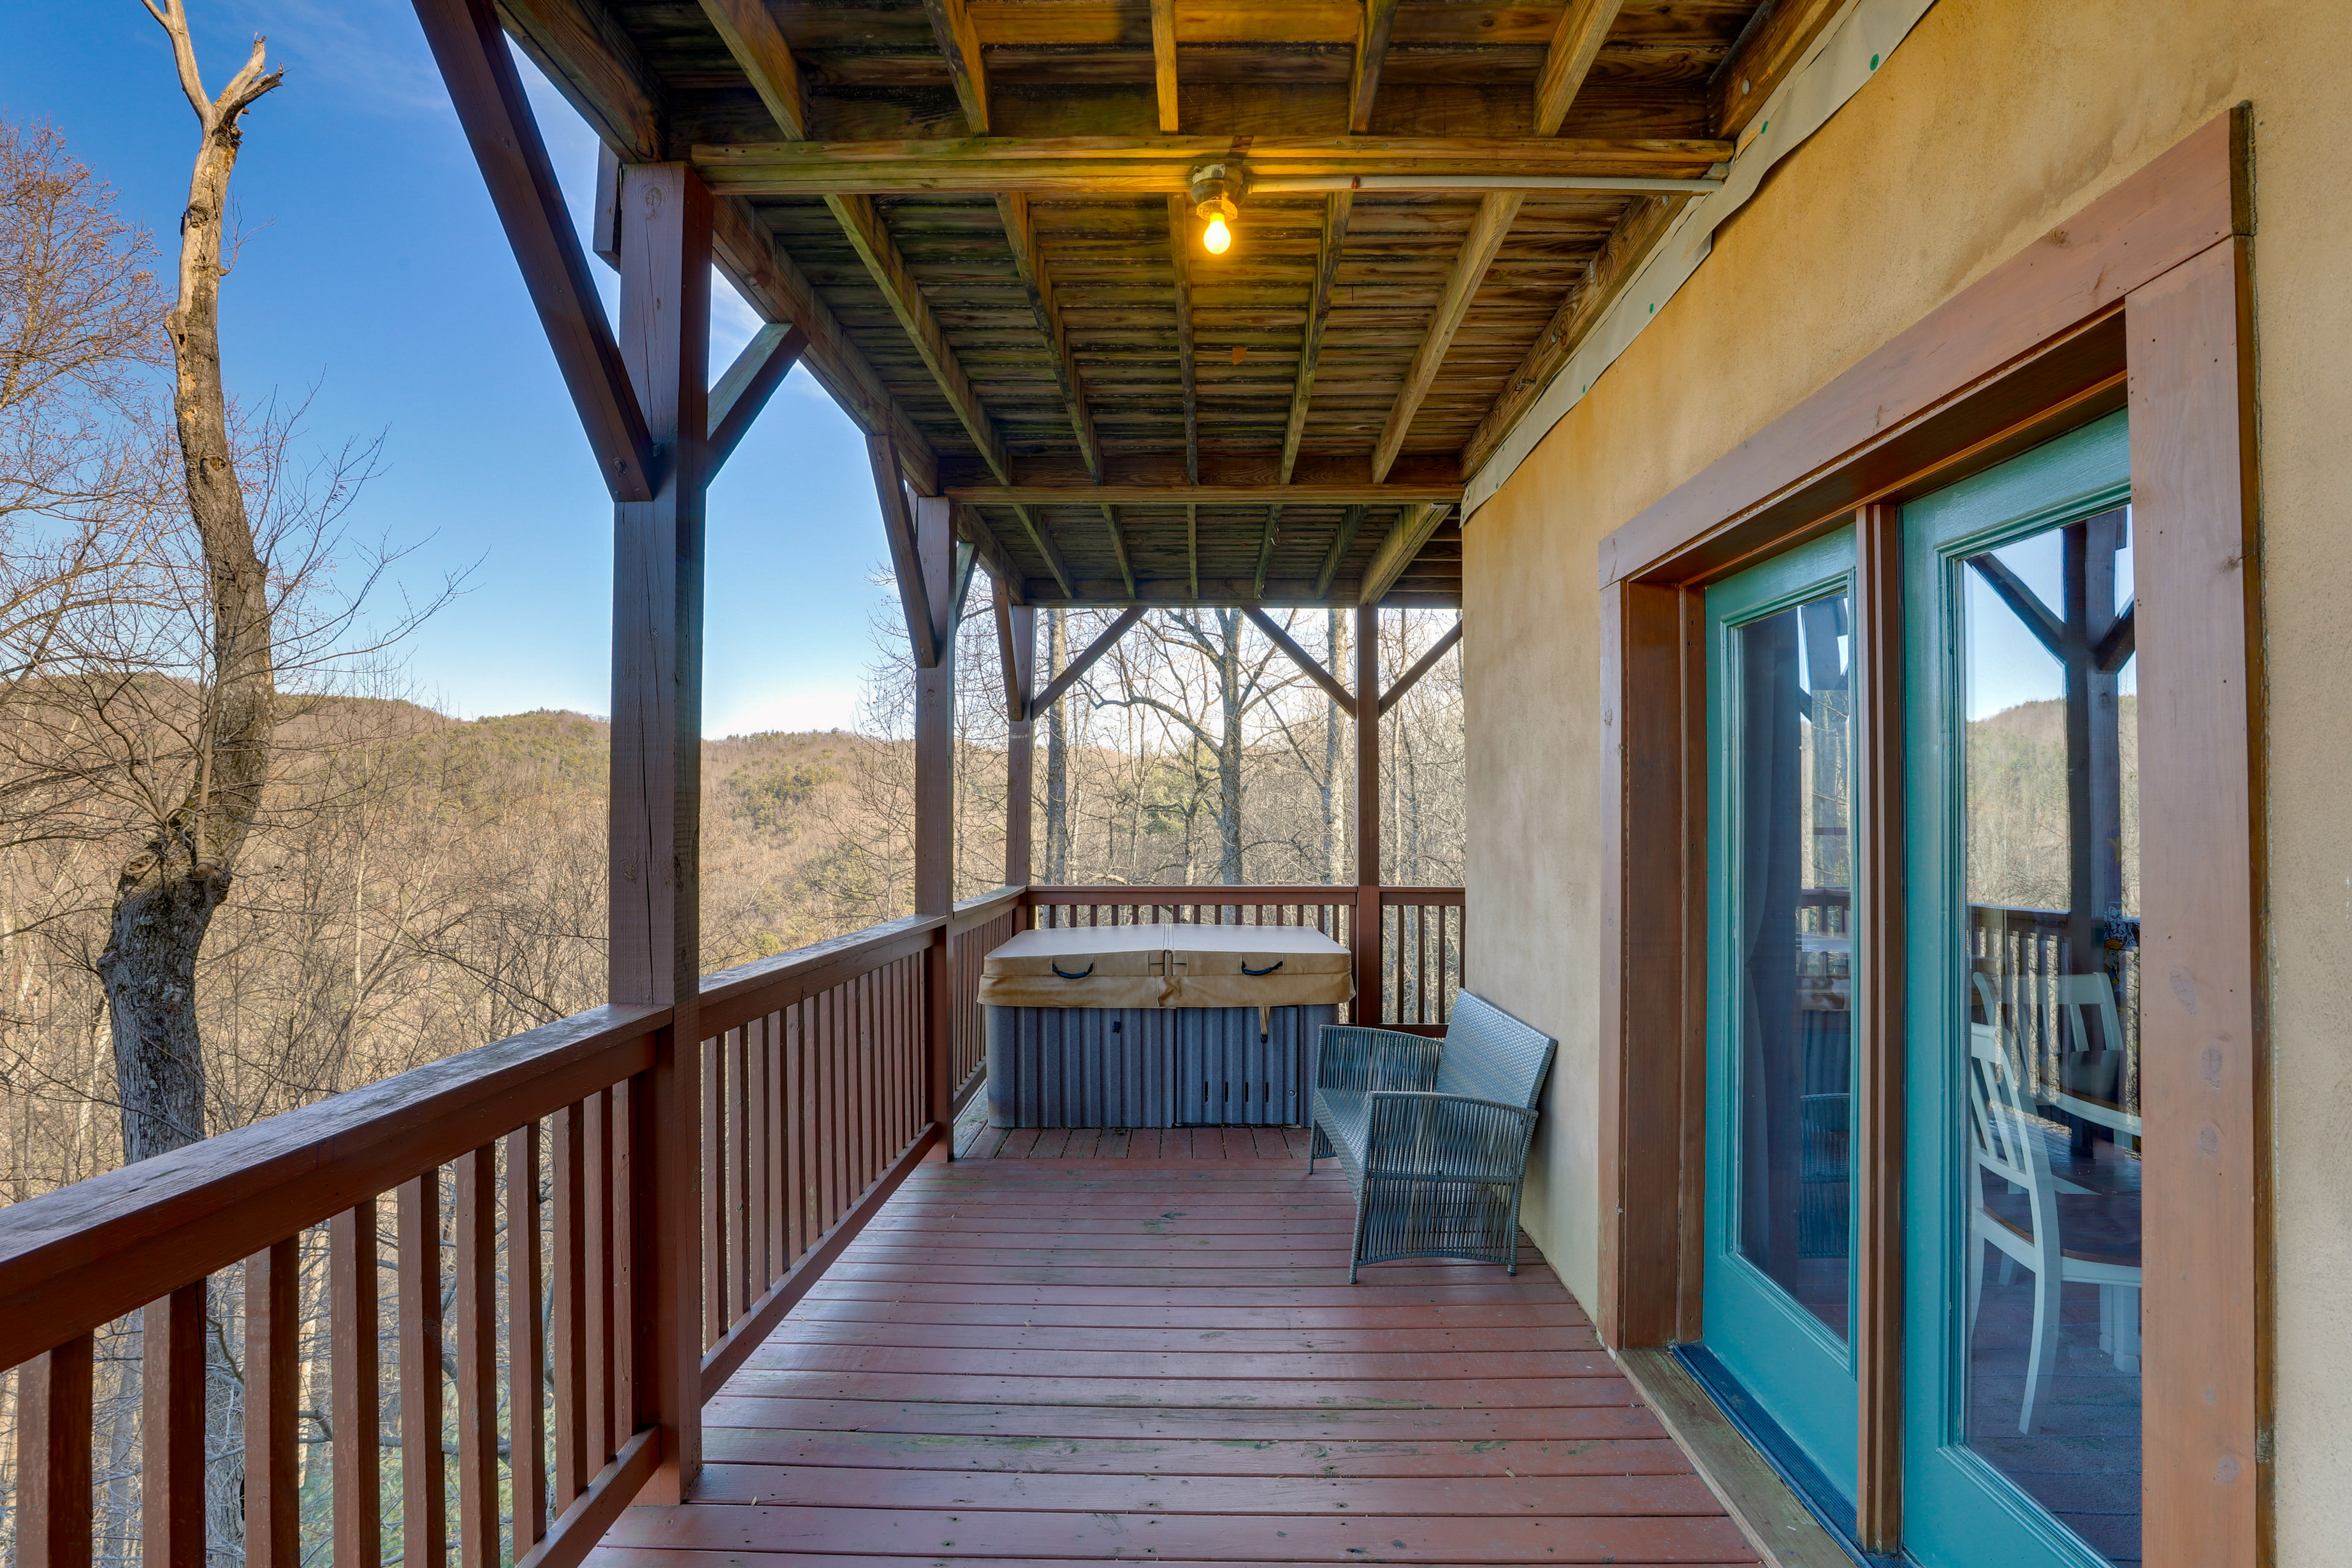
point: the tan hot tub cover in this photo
(1168, 966)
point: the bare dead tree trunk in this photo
(1335, 634)
(1230, 702)
(167, 892)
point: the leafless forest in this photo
(404, 885)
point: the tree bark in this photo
(1057, 755)
(166, 893)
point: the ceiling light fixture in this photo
(1217, 190)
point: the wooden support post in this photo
(935, 798)
(656, 789)
(1016, 632)
(1367, 933)
(352, 1287)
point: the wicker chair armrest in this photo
(1449, 1137)
(1351, 1058)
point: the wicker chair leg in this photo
(1356, 1241)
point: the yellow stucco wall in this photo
(1992, 122)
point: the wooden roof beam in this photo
(1179, 251)
(1265, 551)
(744, 390)
(973, 527)
(471, 50)
(1021, 234)
(1372, 53)
(1336, 209)
(767, 277)
(1307, 664)
(1449, 492)
(751, 36)
(952, 23)
(1146, 165)
(1763, 58)
(1487, 231)
(1420, 667)
(590, 59)
(1412, 530)
(1163, 61)
(1118, 549)
(1575, 45)
(1040, 538)
(1351, 523)
(871, 240)
(906, 557)
(1086, 660)
(1613, 267)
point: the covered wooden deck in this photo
(1160, 1359)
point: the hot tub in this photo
(1158, 1026)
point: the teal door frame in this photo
(1797, 1368)
(1957, 1510)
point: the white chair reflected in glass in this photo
(2009, 1143)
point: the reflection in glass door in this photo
(1778, 1274)
(2024, 1218)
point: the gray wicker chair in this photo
(1432, 1135)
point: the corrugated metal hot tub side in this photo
(1150, 1067)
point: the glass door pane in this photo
(1779, 1200)
(2023, 1229)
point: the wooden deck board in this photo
(1154, 1354)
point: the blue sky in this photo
(373, 271)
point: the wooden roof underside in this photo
(973, 210)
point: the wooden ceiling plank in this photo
(1118, 547)
(768, 278)
(1180, 248)
(1372, 53)
(751, 36)
(1487, 231)
(1163, 61)
(1403, 543)
(1762, 60)
(1308, 665)
(1617, 263)
(471, 50)
(870, 237)
(1351, 521)
(1336, 206)
(744, 390)
(1021, 234)
(951, 22)
(1041, 536)
(1575, 45)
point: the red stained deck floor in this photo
(1130, 1356)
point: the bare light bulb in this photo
(1217, 238)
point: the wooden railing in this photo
(1420, 931)
(485, 1244)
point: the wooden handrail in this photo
(975, 912)
(1244, 895)
(1444, 898)
(84, 1254)
(732, 997)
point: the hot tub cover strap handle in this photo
(1268, 970)
(1081, 974)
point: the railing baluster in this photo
(714, 1198)
(629, 1151)
(759, 1159)
(53, 1457)
(571, 1344)
(423, 1502)
(476, 1304)
(351, 1314)
(526, 1382)
(596, 1424)
(171, 1430)
(273, 1369)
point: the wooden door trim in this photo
(2142, 298)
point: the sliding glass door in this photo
(2022, 1215)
